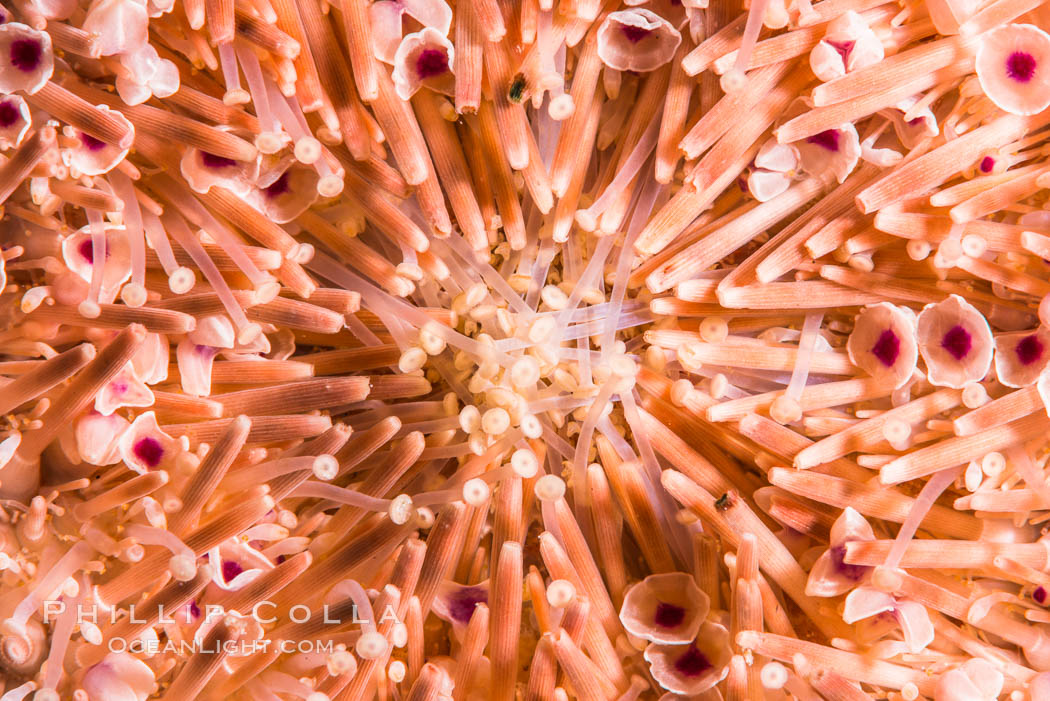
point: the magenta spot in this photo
(1039, 595)
(91, 143)
(669, 615)
(149, 450)
(87, 250)
(281, 559)
(120, 387)
(431, 62)
(987, 163)
(210, 160)
(230, 569)
(279, 187)
(206, 351)
(462, 603)
(9, 114)
(25, 54)
(842, 47)
(195, 610)
(837, 555)
(1029, 349)
(957, 342)
(886, 618)
(692, 664)
(634, 34)
(1020, 65)
(888, 348)
(826, 139)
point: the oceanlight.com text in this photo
(237, 648)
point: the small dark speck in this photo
(517, 88)
(723, 502)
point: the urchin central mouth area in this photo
(149, 451)
(838, 559)
(635, 34)
(25, 54)
(1020, 66)
(957, 342)
(431, 62)
(887, 348)
(91, 143)
(668, 615)
(279, 187)
(86, 249)
(210, 160)
(826, 139)
(843, 48)
(693, 663)
(462, 604)
(230, 569)
(1029, 349)
(9, 114)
